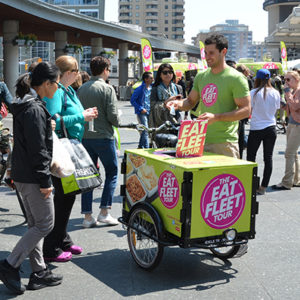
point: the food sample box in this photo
(196, 198)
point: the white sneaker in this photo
(108, 219)
(89, 224)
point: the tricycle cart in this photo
(206, 202)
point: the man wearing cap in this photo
(223, 96)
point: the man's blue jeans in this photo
(105, 149)
(144, 139)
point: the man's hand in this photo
(46, 192)
(171, 103)
(143, 111)
(208, 116)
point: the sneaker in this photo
(280, 187)
(75, 250)
(64, 257)
(44, 278)
(261, 190)
(11, 278)
(89, 223)
(108, 219)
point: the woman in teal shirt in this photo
(58, 245)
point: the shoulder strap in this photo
(63, 132)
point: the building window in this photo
(137, 14)
(166, 21)
(166, 14)
(166, 29)
(137, 22)
(75, 2)
(90, 12)
(166, 6)
(137, 7)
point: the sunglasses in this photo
(165, 72)
(58, 84)
(75, 70)
(287, 79)
(109, 70)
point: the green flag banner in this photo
(283, 56)
(202, 53)
(147, 55)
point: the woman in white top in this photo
(265, 101)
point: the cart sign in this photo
(191, 138)
(168, 189)
(223, 201)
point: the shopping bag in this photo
(86, 176)
(61, 164)
(3, 111)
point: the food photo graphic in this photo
(141, 180)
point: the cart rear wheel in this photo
(225, 252)
(146, 252)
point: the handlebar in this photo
(140, 127)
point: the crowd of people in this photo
(51, 95)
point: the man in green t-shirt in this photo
(222, 95)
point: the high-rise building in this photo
(91, 8)
(163, 18)
(238, 35)
(278, 12)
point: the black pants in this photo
(58, 240)
(268, 137)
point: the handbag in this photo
(3, 111)
(61, 164)
(86, 176)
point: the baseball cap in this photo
(263, 74)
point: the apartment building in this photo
(161, 18)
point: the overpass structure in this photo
(56, 24)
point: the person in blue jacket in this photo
(140, 100)
(58, 245)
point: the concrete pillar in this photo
(61, 40)
(97, 46)
(10, 54)
(123, 64)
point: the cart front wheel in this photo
(145, 251)
(230, 251)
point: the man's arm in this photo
(184, 104)
(243, 111)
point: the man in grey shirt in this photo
(100, 142)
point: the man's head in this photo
(100, 66)
(147, 78)
(216, 47)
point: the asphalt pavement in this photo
(105, 269)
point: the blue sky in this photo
(201, 14)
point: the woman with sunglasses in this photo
(31, 159)
(265, 102)
(292, 96)
(164, 90)
(58, 245)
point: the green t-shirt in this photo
(217, 93)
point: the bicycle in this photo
(5, 157)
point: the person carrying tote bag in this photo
(58, 245)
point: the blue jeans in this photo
(144, 139)
(105, 149)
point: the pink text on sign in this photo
(222, 201)
(209, 94)
(168, 189)
(147, 52)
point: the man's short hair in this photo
(146, 75)
(98, 64)
(219, 40)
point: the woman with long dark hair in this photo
(31, 158)
(164, 89)
(265, 102)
